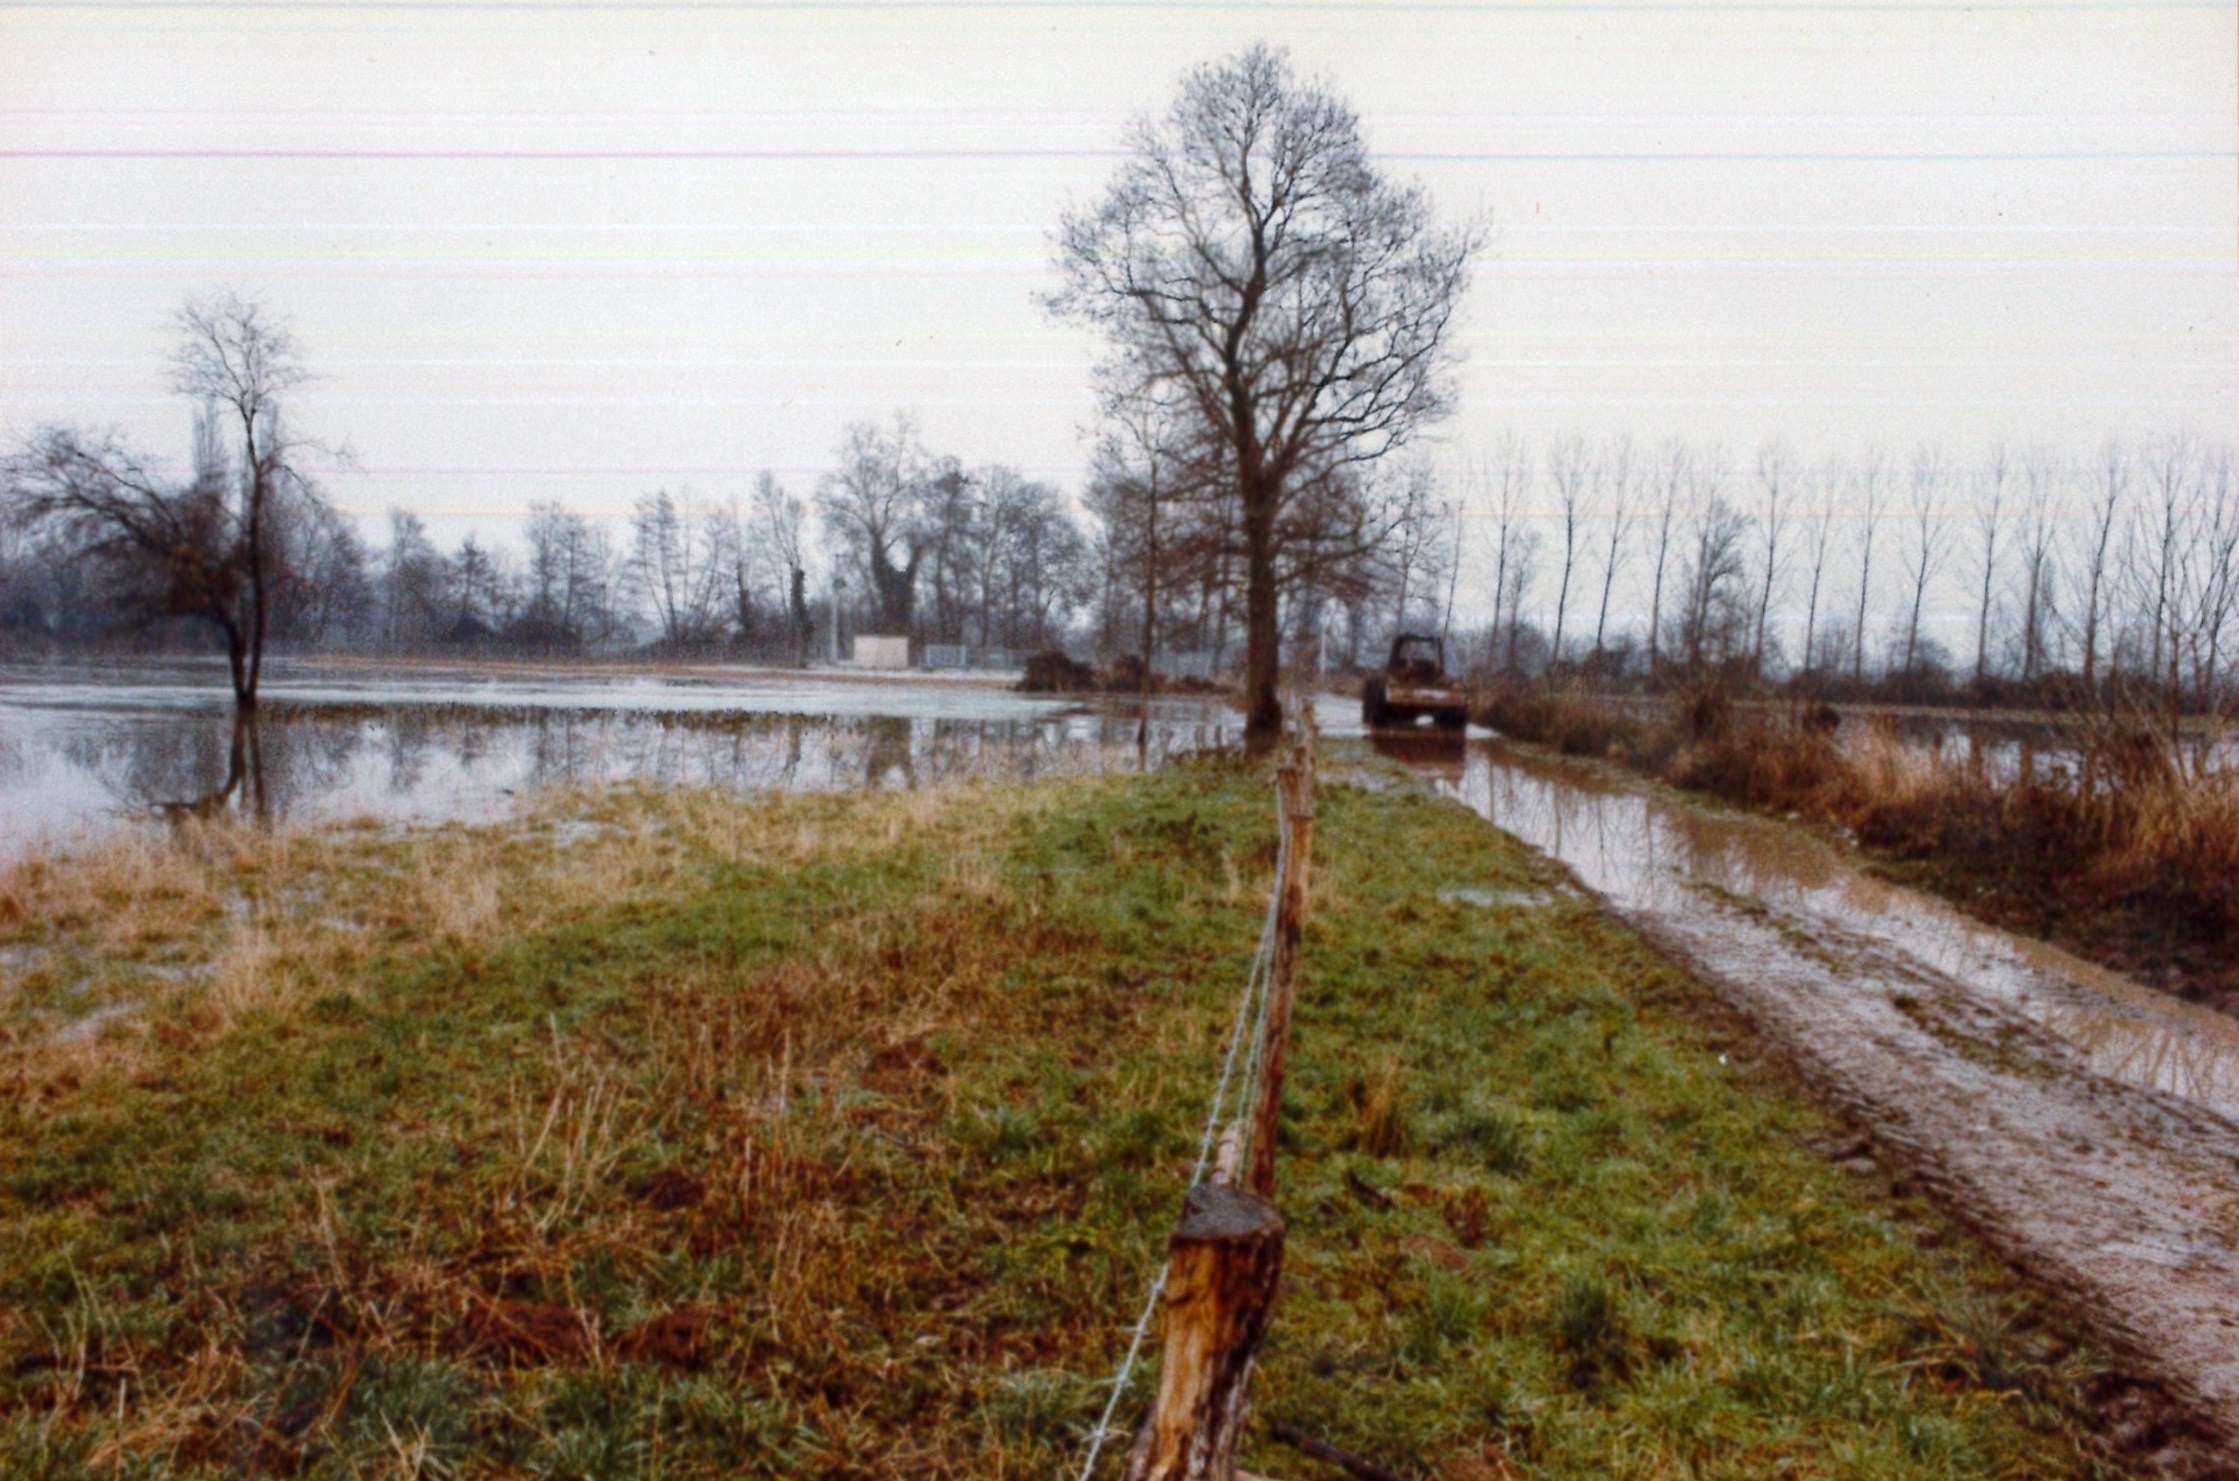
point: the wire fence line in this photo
(1250, 1026)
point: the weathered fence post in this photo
(1223, 1259)
(1222, 1262)
(1296, 789)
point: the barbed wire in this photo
(1251, 1014)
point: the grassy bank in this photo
(664, 1133)
(2122, 853)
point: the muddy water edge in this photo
(2082, 1122)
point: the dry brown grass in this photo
(187, 933)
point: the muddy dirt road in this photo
(2085, 1124)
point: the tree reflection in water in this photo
(423, 762)
(243, 789)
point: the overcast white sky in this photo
(578, 251)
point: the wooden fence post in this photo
(1223, 1259)
(1222, 1262)
(1296, 791)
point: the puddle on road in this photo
(1649, 855)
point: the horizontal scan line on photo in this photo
(692, 156)
(1365, 7)
(1037, 229)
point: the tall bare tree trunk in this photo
(1263, 643)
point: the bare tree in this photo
(782, 519)
(2217, 580)
(1925, 494)
(1457, 524)
(1139, 478)
(2171, 495)
(736, 561)
(1506, 478)
(1417, 549)
(675, 569)
(1774, 489)
(1712, 572)
(2042, 480)
(1613, 475)
(1568, 464)
(1870, 494)
(950, 507)
(874, 506)
(214, 548)
(1819, 529)
(1249, 256)
(1523, 566)
(569, 603)
(1674, 474)
(413, 583)
(477, 593)
(233, 354)
(2109, 491)
(1990, 498)
(158, 549)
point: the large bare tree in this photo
(234, 355)
(1250, 258)
(874, 509)
(214, 547)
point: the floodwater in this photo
(2083, 1123)
(84, 751)
(1648, 853)
(87, 749)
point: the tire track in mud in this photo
(2120, 1200)
(2119, 1197)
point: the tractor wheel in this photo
(1451, 717)
(1373, 713)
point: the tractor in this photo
(1414, 684)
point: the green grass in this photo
(885, 1104)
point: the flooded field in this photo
(82, 752)
(2084, 1122)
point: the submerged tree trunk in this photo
(245, 694)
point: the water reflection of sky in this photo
(1656, 857)
(78, 757)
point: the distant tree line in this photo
(2016, 574)
(101, 543)
(2044, 573)
(242, 550)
